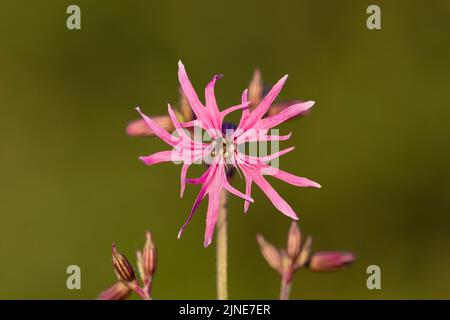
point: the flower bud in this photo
(330, 261)
(255, 89)
(287, 267)
(149, 256)
(140, 128)
(304, 254)
(294, 241)
(270, 253)
(186, 110)
(122, 266)
(118, 291)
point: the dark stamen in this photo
(228, 126)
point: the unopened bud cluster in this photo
(146, 261)
(298, 254)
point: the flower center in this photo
(225, 148)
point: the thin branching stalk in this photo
(285, 289)
(222, 248)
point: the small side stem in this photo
(142, 293)
(222, 247)
(285, 289)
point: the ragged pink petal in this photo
(278, 154)
(176, 122)
(270, 192)
(160, 132)
(186, 140)
(286, 114)
(265, 104)
(213, 209)
(197, 107)
(197, 202)
(244, 100)
(259, 136)
(236, 192)
(231, 109)
(192, 123)
(289, 177)
(211, 103)
(248, 191)
(205, 179)
(277, 107)
(139, 127)
(158, 157)
(184, 169)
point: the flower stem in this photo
(285, 289)
(222, 247)
(142, 293)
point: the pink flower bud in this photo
(304, 255)
(122, 266)
(255, 89)
(149, 256)
(270, 253)
(294, 241)
(118, 291)
(330, 260)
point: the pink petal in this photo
(278, 154)
(211, 103)
(195, 180)
(259, 136)
(160, 132)
(197, 202)
(284, 115)
(140, 128)
(213, 210)
(206, 177)
(162, 156)
(289, 177)
(227, 111)
(265, 104)
(191, 96)
(248, 191)
(182, 133)
(192, 123)
(174, 119)
(236, 192)
(184, 169)
(270, 192)
(244, 115)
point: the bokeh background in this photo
(377, 140)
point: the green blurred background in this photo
(377, 140)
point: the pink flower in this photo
(225, 150)
(185, 114)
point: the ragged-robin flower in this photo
(225, 148)
(256, 92)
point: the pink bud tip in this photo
(330, 260)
